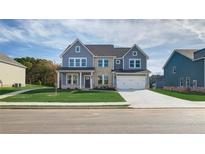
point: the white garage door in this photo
(131, 82)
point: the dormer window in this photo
(134, 53)
(77, 49)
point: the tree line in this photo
(39, 71)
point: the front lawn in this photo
(49, 95)
(5, 90)
(192, 96)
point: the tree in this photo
(39, 70)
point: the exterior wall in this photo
(10, 74)
(103, 70)
(199, 54)
(83, 53)
(184, 68)
(118, 66)
(140, 55)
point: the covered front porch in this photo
(78, 78)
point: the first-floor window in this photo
(75, 79)
(102, 79)
(195, 83)
(181, 82)
(69, 78)
(187, 81)
(72, 79)
(105, 79)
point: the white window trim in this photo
(196, 83)
(173, 70)
(75, 61)
(76, 49)
(72, 78)
(188, 78)
(103, 62)
(103, 79)
(118, 61)
(181, 79)
(134, 52)
(135, 64)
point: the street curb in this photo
(64, 106)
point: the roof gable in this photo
(70, 46)
(138, 48)
(8, 60)
(105, 49)
(188, 53)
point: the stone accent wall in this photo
(103, 70)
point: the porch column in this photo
(80, 80)
(91, 80)
(58, 80)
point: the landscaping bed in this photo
(192, 96)
(49, 95)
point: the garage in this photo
(131, 82)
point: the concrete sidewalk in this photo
(64, 105)
(18, 92)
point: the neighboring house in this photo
(11, 72)
(157, 81)
(185, 68)
(97, 66)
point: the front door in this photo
(87, 81)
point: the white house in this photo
(11, 72)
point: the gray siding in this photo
(118, 66)
(83, 53)
(185, 67)
(140, 55)
(199, 54)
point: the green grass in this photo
(5, 90)
(192, 96)
(49, 95)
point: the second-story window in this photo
(174, 70)
(77, 62)
(134, 63)
(103, 63)
(77, 49)
(84, 63)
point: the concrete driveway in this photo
(150, 99)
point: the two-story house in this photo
(95, 66)
(185, 68)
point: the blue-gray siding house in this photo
(103, 65)
(185, 68)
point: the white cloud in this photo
(57, 34)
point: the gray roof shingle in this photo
(107, 50)
(8, 60)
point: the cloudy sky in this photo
(48, 38)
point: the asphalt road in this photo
(102, 121)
